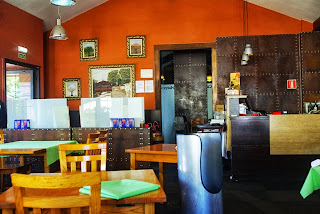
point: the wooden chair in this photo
(93, 159)
(9, 168)
(194, 123)
(99, 137)
(103, 133)
(53, 192)
(92, 137)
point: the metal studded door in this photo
(190, 73)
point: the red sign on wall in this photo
(292, 84)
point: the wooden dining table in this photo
(143, 203)
(47, 149)
(161, 153)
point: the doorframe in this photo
(186, 46)
(36, 77)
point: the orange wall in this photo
(163, 22)
(20, 28)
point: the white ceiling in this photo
(44, 10)
(308, 10)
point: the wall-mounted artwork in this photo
(89, 49)
(71, 88)
(112, 80)
(136, 46)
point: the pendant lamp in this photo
(243, 62)
(245, 57)
(58, 32)
(63, 2)
(248, 49)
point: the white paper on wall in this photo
(140, 86)
(146, 73)
(148, 86)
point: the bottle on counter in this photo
(315, 106)
(141, 123)
(310, 107)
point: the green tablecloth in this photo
(312, 182)
(122, 188)
(50, 146)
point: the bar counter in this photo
(274, 145)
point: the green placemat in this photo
(122, 188)
(312, 182)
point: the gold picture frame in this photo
(71, 88)
(89, 50)
(136, 46)
(112, 80)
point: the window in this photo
(19, 85)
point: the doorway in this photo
(22, 82)
(181, 83)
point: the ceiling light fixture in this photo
(58, 32)
(63, 2)
(248, 49)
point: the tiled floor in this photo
(247, 196)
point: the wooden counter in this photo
(295, 134)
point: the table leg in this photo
(161, 174)
(149, 208)
(46, 167)
(7, 211)
(133, 164)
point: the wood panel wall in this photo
(276, 59)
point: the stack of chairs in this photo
(194, 124)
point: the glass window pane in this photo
(19, 85)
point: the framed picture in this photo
(136, 46)
(71, 88)
(112, 80)
(88, 49)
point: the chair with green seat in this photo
(9, 168)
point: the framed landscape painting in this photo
(88, 49)
(112, 80)
(71, 88)
(136, 46)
